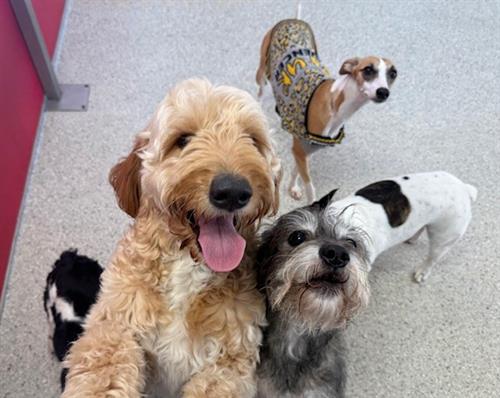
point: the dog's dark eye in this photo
(393, 73)
(352, 242)
(183, 140)
(368, 72)
(296, 238)
(255, 141)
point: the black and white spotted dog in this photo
(71, 289)
(314, 283)
(386, 213)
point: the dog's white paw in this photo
(295, 192)
(420, 276)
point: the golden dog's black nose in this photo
(229, 192)
(334, 255)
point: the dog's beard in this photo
(315, 300)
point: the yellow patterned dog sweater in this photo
(295, 71)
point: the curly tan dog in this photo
(178, 312)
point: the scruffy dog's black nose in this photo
(334, 255)
(229, 192)
(382, 94)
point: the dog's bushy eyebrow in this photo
(345, 208)
(304, 218)
(345, 229)
(333, 221)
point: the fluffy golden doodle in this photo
(179, 313)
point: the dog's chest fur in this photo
(185, 343)
(171, 355)
(297, 364)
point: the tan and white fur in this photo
(332, 104)
(165, 322)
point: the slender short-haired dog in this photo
(311, 104)
(179, 313)
(397, 210)
(314, 282)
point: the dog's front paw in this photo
(295, 192)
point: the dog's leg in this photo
(231, 319)
(50, 346)
(415, 237)
(261, 71)
(310, 192)
(219, 381)
(105, 361)
(294, 188)
(302, 167)
(441, 239)
(436, 252)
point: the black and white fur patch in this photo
(71, 289)
(388, 193)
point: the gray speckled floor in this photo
(437, 340)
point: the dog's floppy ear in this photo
(125, 178)
(348, 66)
(323, 202)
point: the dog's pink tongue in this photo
(221, 245)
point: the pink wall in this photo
(21, 99)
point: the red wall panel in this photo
(21, 99)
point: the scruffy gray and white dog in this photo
(313, 265)
(314, 282)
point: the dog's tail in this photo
(299, 10)
(472, 191)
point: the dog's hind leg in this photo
(294, 188)
(302, 166)
(442, 236)
(436, 252)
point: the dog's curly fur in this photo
(163, 320)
